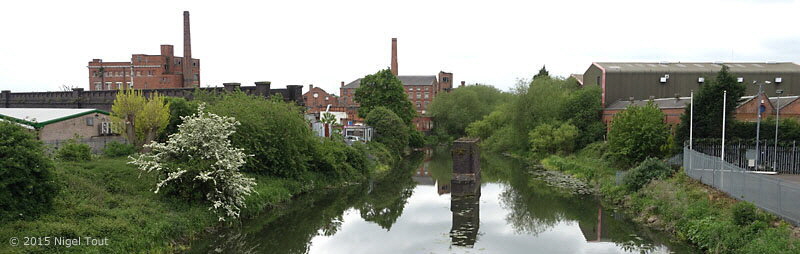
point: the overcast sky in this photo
(47, 44)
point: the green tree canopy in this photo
(384, 89)
(140, 119)
(455, 110)
(390, 129)
(708, 107)
(636, 134)
(27, 185)
(542, 73)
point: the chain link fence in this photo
(772, 193)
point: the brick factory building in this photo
(149, 71)
(420, 90)
(317, 99)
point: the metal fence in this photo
(785, 159)
(769, 192)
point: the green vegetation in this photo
(548, 139)
(139, 119)
(708, 107)
(27, 185)
(455, 110)
(383, 89)
(178, 108)
(117, 149)
(649, 170)
(391, 130)
(636, 134)
(74, 151)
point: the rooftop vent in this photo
(701, 80)
(778, 80)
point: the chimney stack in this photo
(188, 76)
(310, 86)
(394, 56)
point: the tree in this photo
(27, 186)
(542, 73)
(390, 129)
(178, 108)
(200, 159)
(708, 107)
(138, 118)
(384, 89)
(455, 110)
(636, 134)
(553, 139)
(583, 110)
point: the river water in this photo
(412, 210)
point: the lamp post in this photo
(777, 117)
(758, 124)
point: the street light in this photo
(777, 116)
(758, 124)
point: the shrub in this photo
(338, 160)
(636, 134)
(117, 149)
(416, 139)
(74, 151)
(551, 139)
(650, 169)
(178, 108)
(743, 213)
(200, 159)
(26, 182)
(390, 130)
(273, 131)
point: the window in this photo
(138, 73)
(316, 95)
(119, 85)
(419, 95)
(410, 96)
(90, 121)
(445, 79)
(411, 89)
(149, 73)
(326, 98)
(427, 95)
(418, 89)
(98, 86)
(418, 105)
(130, 85)
(426, 88)
(108, 85)
(740, 79)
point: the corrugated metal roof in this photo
(38, 117)
(425, 80)
(742, 67)
(785, 100)
(662, 103)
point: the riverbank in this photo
(108, 198)
(684, 207)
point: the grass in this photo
(683, 206)
(107, 198)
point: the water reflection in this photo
(419, 209)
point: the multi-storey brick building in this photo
(149, 71)
(317, 99)
(420, 90)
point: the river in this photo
(412, 210)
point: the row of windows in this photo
(419, 95)
(418, 88)
(111, 85)
(122, 73)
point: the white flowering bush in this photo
(200, 159)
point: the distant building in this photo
(149, 71)
(53, 126)
(420, 90)
(317, 99)
(625, 81)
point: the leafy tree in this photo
(636, 134)
(542, 73)
(708, 107)
(178, 108)
(390, 129)
(274, 132)
(383, 89)
(583, 110)
(455, 110)
(27, 185)
(553, 139)
(138, 118)
(200, 160)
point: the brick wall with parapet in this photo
(78, 98)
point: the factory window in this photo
(410, 96)
(119, 85)
(445, 79)
(418, 89)
(419, 95)
(411, 89)
(194, 63)
(98, 86)
(90, 121)
(138, 73)
(130, 85)
(149, 73)
(418, 105)
(108, 85)
(426, 88)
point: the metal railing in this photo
(785, 159)
(769, 192)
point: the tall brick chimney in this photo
(188, 76)
(394, 56)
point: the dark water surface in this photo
(413, 211)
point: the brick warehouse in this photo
(420, 89)
(149, 71)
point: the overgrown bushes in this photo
(636, 134)
(74, 151)
(390, 130)
(27, 186)
(650, 169)
(117, 149)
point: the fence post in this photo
(794, 157)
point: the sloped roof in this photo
(662, 103)
(423, 80)
(676, 67)
(578, 77)
(39, 117)
(785, 100)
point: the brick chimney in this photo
(188, 76)
(394, 56)
(342, 83)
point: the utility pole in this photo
(691, 119)
(777, 117)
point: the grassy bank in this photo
(680, 205)
(107, 198)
